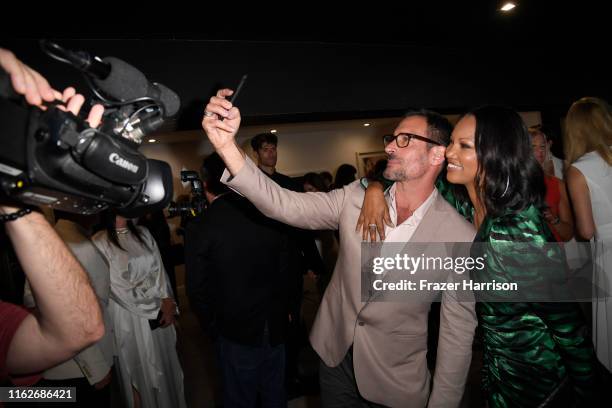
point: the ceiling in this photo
(423, 23)
(307, 62)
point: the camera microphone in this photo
(124, 82)
(116, 78)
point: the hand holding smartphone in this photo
(237, 91)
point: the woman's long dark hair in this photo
(108, 219)
(509, 176)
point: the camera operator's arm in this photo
(70, 317)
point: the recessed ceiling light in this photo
(366, 124)
(152, 140)
(508, 6)
(273, 131)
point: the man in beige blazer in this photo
(373, 353)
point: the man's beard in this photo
(395, 175)
(401, 170)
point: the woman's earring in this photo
(507, 186)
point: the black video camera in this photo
(197, 203)
(54, 158)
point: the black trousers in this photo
(251, 371)
(338, 385)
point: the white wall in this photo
(180, 156)
(301, 148)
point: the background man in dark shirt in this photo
(303, 257)
(236, 261)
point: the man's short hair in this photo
(211, 171)
(260, 139)
(438, 127)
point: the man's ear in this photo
(436, 155)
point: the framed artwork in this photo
(366, 162)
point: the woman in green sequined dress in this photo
(535, 354)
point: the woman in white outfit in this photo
(588, 142)
(151, 375)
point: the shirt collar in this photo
(419, 213)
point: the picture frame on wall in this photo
(366, 162)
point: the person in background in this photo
(313, 182)
(345, 175)
(157, 225)
(236, 264)
(327, 179)
(552, 165)
(588, 144)
(143, 312)
(558, 214)
(303, 257)
(326, 241)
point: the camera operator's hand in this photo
(37, 90)
(73, 102)
(221, 122)
(26, 81)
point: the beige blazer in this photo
(389, 338)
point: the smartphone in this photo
(155, 323)
(238, 89)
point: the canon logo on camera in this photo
(121, 162)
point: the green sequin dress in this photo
(531, 351)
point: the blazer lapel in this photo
(425, 233)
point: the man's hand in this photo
(26, 81)
(37, 90)
(221, 122)
(72, 102)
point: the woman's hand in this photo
(374, 213)
(168, 309)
